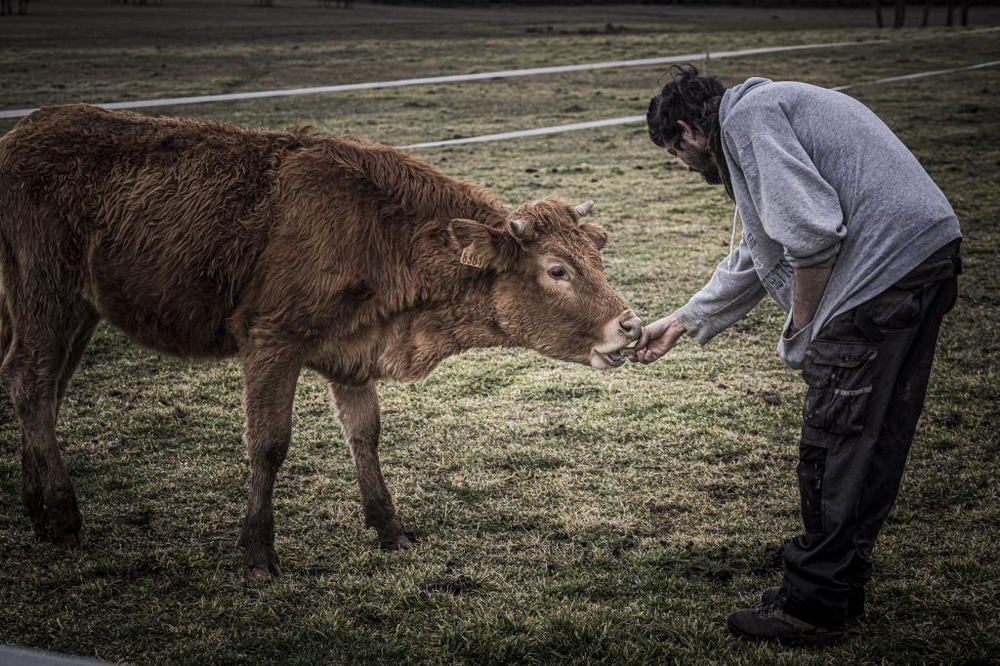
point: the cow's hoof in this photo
(58, 527)
(63, 539)
(402, 542)
(264, 571)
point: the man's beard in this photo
(704, 163)
(712, 175)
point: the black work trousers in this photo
(867, 372)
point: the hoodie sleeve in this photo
(797, 207)
(733, 290)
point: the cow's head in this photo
(550, 292)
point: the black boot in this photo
(855, 601)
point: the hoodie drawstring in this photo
(732, 239)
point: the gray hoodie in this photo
(819, 180)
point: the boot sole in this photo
(800, 640)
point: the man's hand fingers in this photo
(655, 340)
(652, 354)
(661, 345)
(643, 338)
(632, 353)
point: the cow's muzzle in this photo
(621, 332)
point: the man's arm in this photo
(809, 285)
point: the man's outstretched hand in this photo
(656, 340)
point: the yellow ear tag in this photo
(469, 259)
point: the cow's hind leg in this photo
(359, 414)
(35, 370)
(86, 323)
(269, 378)
(6, 329)
(6, 339)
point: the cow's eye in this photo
(558, 273)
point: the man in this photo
(843, 228)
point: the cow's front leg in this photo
(269, 378)
(358, 410)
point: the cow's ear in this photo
(477, 244)
(595, 233)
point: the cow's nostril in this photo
(630, 325)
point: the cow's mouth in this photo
(613, 359)
(620, 339)
(603, 360)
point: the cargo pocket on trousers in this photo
(839, 375)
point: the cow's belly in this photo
(175, 338)
(171, 331)
(171, 317)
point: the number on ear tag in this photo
(469, 259)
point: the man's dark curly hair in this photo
(695, 99)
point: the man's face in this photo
(692, 149)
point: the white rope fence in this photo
(452, 78)
(481, 76)
(539, 131)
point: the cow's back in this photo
(160, 220)
(190, 235)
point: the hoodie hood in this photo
(729, 100)
(736, 93)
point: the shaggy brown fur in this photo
(288, 250)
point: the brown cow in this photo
(290, 249)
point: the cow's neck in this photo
(409, 344)
(454, 314)
(419, 344)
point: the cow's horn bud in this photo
(584, 208)
(517, 228)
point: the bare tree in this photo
(899, 15)
(964, 13)
(7, 8)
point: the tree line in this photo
(957, 10)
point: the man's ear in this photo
(477, 244)
(598, 235)
(688, 133)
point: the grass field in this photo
(563, 515)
